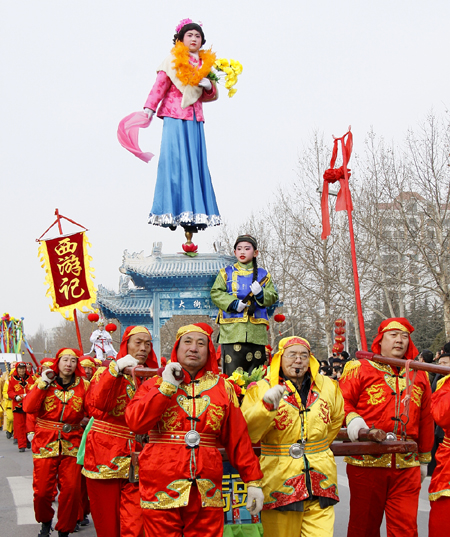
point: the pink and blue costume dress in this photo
(184, 195)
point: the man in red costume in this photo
(109, 444)
(19, 387)
(187, 414)
(374, 394)
(439, 491)
(58, 402)
(89, 366)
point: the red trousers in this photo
(66, 473)
(84, 508)
(116, 507)
(190, 521)
(378, 491)
(439, 522)
(20, 429)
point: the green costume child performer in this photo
(243, 324)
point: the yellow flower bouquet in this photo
(229, 70)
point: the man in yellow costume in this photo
(8, 420)
(296, 413)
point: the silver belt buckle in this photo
(297, 450)
(192, 438)
(67, 428)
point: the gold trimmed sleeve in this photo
(350, 417)
(113, 369)
(425, 458)
(257, 483)
(168, 389)
(42, 385)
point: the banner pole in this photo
(78, 330)
(362, 331)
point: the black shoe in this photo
(63, 534)
(77, 528)
(85, 521)
(8, 435)
(21, 449)
(28, 444)
(46, 528)
(15, 441)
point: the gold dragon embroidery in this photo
(119, 409)
(416, 395)
(49, 403)
(215, 417)
(77, 403)
(376, 394)
(171, 420)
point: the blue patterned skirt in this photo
(184, 195)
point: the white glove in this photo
(126, 361)
(149, 112)
(255, 500)
(273, 395)
(18, 398)
(44, 376)
(30, 437)
(255, 288)
(241, 306)
(353, 429)
(168, 375)
(205, 83)
(423, 472)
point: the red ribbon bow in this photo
(332, 175)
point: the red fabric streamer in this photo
(332, 175)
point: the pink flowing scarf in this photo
(128, 134)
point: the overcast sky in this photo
(71, 70)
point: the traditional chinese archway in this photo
(166, 285)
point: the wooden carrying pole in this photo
(400, 362)
(365, 446)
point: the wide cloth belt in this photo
(111, 429)
(282, 450)
(57, 425)
(446, 442)
(183, 438)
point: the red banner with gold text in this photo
(68, 273)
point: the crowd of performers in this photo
(142, 455)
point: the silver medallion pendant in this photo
(192, 438)
(297, 450)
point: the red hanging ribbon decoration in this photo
(332, 175)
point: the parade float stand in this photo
(154, 288)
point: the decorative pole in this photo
(343, 203)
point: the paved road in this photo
(16, 505)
